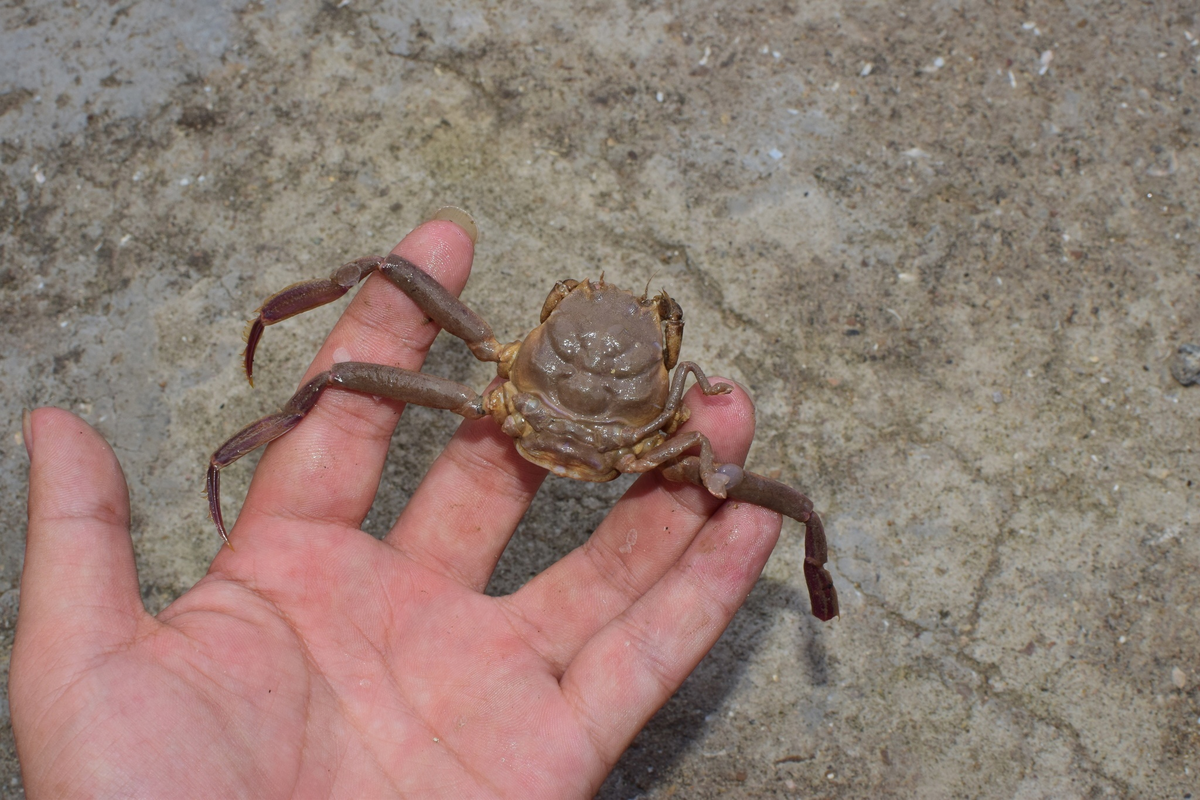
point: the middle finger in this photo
(463, 513)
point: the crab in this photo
(588, 394)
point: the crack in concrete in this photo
(1006, 697)
(476, 83)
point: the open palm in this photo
(316, 661)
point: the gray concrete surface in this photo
(951, 248)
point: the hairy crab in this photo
(588, 394)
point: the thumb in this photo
(79, 588)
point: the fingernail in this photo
(27, 431)
(460, 218)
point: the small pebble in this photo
(1047, 57)
(997, 397)
(1178, 678)
(1186, 366)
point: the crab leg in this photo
(674, 398)
(779, 497)
(440, 305)
(392, 382)
(711, 479)
(454, 316)
(301, 297)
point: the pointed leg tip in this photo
(821, 591)
(825, 606)
(254, 333)
(220, 523)
(248, 366)
(212, 488)
(826, 612)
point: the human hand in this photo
(317, 661)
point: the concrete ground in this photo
(951, 248)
